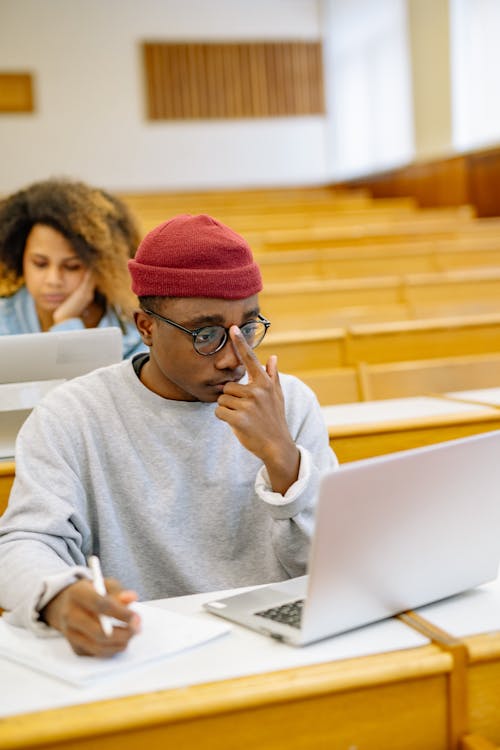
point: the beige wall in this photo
(428, 22)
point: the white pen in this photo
(98, 580)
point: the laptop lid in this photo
(393, 533)
(31, 364)
(57, 355)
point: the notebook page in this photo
(163, 634)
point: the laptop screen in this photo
(31, 364)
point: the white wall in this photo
(90, 122)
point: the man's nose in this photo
(227, 358)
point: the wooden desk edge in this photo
(483, 647)
(192, 702)
(7, 468)
(406, 425)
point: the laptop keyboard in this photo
(289, 613)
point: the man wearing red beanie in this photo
(190, 468)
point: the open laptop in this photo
(57, 355)
(392, 533)
(31, 364)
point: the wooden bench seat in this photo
(372, 382)
(301, 350)
(468, 291)
(430, 229)
(342, 316)
(327, 295)
(344, 262)
(425, 376)
(421, 256)
(334, 385)
(396, 341)
(422, 339)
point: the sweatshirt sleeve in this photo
(293, 513)
(44, 537)
(70, 324)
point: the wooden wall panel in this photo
(484, 181)
(470, 178)
(439, 183)
(208, 81)
(16, 92)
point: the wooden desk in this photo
(481, 396)
(7, 472)
(395, 700)
(392, 700)
(373, 428)
(484, 684)
(476, 611)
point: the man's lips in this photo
(219, 386)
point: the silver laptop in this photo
(392, 533)
(58, 354)
(31, 364)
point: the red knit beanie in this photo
(194, 256)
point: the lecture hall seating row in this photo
(356, 234)
(375, 409)
(393, 341)
(262, 202)
(415, 256)
(373, 382)
(416, 295)
(301, 217)
(277, 216)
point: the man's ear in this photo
(144, 324)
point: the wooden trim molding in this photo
(16, 93)
(237, 80)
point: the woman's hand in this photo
(78, 301)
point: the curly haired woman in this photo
(64, 247)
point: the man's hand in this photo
(256, 414)
(75, 613)
(78, 301)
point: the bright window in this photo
(475, 71)
(368, 86)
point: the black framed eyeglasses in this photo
(208, 340)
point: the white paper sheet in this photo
(163, 633)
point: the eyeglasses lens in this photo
(212, 338)
(254, 332)
(209, 339)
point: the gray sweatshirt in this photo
(161, 490)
